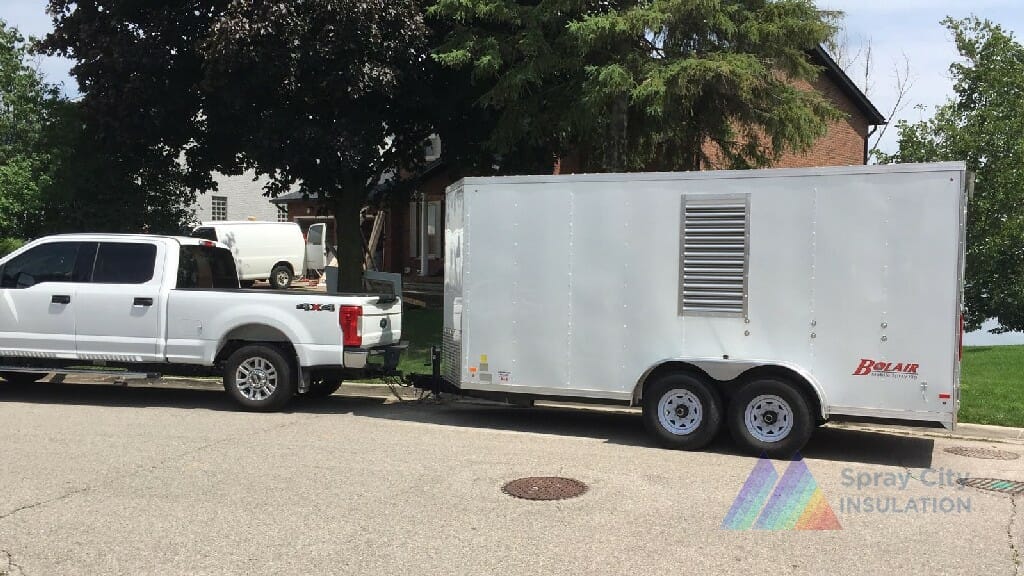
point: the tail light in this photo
(348, 318)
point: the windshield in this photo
(205, 234)
(206, 267)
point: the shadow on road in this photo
(617, 427)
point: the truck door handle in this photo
(60, 299)
(143, 302)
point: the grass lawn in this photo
(422, 328)
(992, 385)
(992, 379)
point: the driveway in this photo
(102, 479)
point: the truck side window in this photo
(50, 262)
(206, 267)
(124, 263)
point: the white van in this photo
(273, 251)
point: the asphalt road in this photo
(100, 479)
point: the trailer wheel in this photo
(322, 388)
(683, 411)
(22, 378)
(259, 378)
(280, 277)
(771, 417)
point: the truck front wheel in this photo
(771, 417)
(682, 411)
(259, 378)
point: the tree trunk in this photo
(349, 239)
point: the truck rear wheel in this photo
(683, 411)
(280, 277)
(22, 378)
(259, 377)
(772, 417)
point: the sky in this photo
(893, 27)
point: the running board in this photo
(62, 372)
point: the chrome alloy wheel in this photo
(256, 378)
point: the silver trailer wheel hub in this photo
(680, 412)
(768, 418)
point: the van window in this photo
(206, 267)
(124, 263)
(205, 234)
(316, 236)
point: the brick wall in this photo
(843, 145)
(245, 199)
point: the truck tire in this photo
(770, 416)
(259, 377)
(280, 277)
(683, 411)
(22, 378)
(322, 388)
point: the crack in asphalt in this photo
(1014, 551)
(11, 566)
(163, 462)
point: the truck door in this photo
(316, 252)
(118, 315)
(38, 298)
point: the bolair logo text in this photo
(869, 367)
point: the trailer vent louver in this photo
(713, 255)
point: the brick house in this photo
(413, 239)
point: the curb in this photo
(965, 431)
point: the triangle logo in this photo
(792, 502)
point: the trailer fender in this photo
(724, 370)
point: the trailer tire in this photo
(259, 377)
(772, 417)
(280, 277)
(322, 388)
(22, 378)
(683, 411)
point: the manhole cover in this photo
(985, 453)
(1010, 487)
(544, 488)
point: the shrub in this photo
(8, 245)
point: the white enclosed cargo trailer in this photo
(768, 301)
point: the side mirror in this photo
(26, 280)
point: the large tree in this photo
(983, 125)
(27, 106)
(641, 85)
(321, 96)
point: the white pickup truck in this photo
(147, 305)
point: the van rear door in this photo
(316, 255)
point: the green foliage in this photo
(8, 245)
(642, 85)
(991, 391)
(322, 96)
(26, 106)
(982, 125)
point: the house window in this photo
(433, 227)
(219, 208)
(282, 213)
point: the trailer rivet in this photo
(814, 322)
(885, 324)
(746, 332)
(813, 335)
(885, 338)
